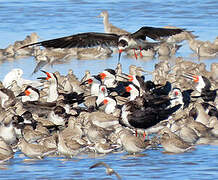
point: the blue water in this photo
(52, 19)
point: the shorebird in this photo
(103, 147)
(177, 38)
(58, 116)
(109, 170)
(5, 149)
(49, 142)
(122, 42)
(167, 49)
(73, 129)
(214, 71)
(108, 27)
(201, 48)
(7, 132)
(199, 114)
(34, 150)
(7, 98)
(103, 120)
(131, 143)
(68, 147)
(173, 143)
(95, 133)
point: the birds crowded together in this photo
(112, 111)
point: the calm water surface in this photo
(52, 19)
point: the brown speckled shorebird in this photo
(173, 143)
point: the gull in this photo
(16, 74)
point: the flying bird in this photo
(123, 42)
(109, 170)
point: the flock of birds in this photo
(94, 45)
(60, 115)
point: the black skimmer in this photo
(124, 42)
(133, 90)
(108, 77)
(29, 94)
(203, 86)
(110, 103)
(73, 97)
(103, 92)
(145, 112)
(180, 97)
(95, 82)
(52, 93)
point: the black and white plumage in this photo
(145, 112)
(203, 86)
(29, 94)
(180, 97)
(123, 42)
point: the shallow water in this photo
(52, 19)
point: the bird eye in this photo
(176, 93)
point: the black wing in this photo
(155, 33)
(89, 39)
(146, 118)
